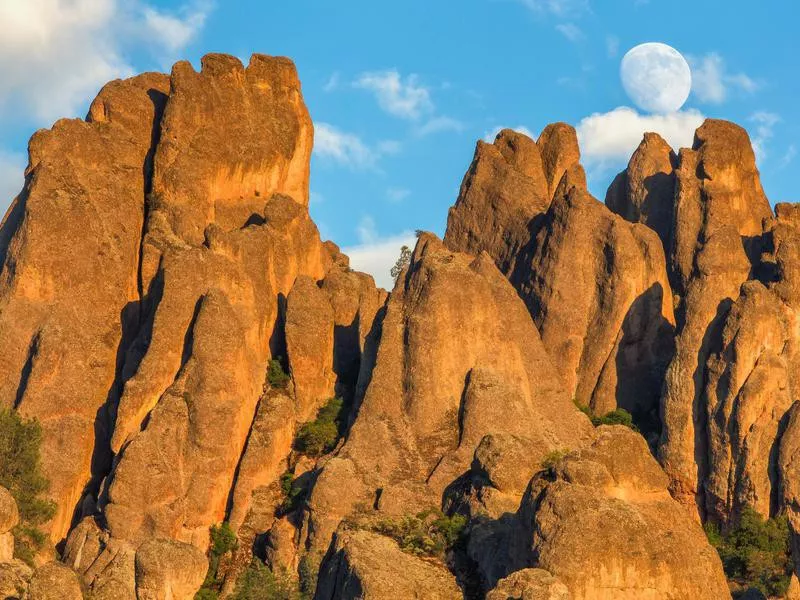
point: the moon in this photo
(656, 77)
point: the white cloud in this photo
(56, 54)
(608, 139)
(401, 97)
(12, 169)
(788, 157)
(492, 133)
(612, 46)
(176, 31)
(378, 255)
(332, 83)
(397, 195)
(570, 31)
(559, 8)
(389, 147)
(764, 123)
(710, 81)
(438, 125)
(331, 143)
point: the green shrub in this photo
(258, 582)
(429, 533)
(276, 376)
(756, 552)
(308, 571)
(223, 539)
(293, 493)
(21, 475)
(551, 458)
(618, 416)
(318, 437)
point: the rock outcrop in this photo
(596, 286)
(615, 489)
(457, 325)
(717, 225)
(68, 287)
(151, 354)
(369, 566)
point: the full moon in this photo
(656, 77)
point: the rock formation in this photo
(160, 271)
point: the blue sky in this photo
(400, 91)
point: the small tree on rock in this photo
(402, 262)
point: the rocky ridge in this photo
(461, 461)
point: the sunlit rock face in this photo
(180, 350)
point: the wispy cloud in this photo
(712, 83)
(402, 97)
(438, 125)
(331, 143)
(788, 157)
(612, 46)
(397, 195)
(559, 8)
(332, 83)
(175, 31)
(764, 123)
(570, 31)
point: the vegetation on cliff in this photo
(20, 474)
(428, 533)
(318, 437)
(756, 552)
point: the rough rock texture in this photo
(168, 570)
(458, 326)
(504, 188)
(309, 344)
(14, 578)
(64, 314)
(595, 285)
(558, 144)
(718, 217)
(529, 584)
(231, 137)
(645, 191)
(193, 263)
(54, 581)
(639, 539)
(747, 393)
(9, 517)
(599, 295)
(368, 566)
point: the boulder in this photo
(529, 584)
(168, 570)
(601, 520)
(54, 581)
(367, 565)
